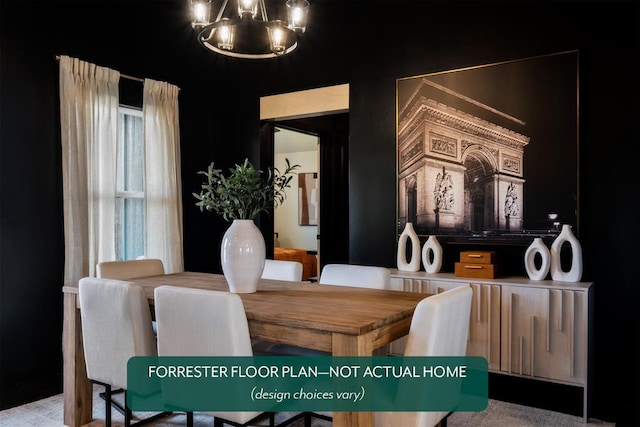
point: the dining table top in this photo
(346, 310)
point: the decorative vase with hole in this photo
(414, 263)
(242, 255)
(575, 271)
(537, 248)
(432, 255)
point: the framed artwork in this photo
(491, 151)
(307, 198)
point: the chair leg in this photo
(107, 405)
(443, 422)
(114, 404)
(128, 414)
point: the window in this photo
(130, 185)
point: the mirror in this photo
(308, 198)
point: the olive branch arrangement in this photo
(245, 191)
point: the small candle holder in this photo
(555, 225)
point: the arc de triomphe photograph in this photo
(489, 150)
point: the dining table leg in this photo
(78, 392)
(352, 345)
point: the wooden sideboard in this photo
(528, 328)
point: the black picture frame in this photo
(490, 152)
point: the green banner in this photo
(300, 383)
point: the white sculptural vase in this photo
(537, 248)
(432, 255)
(575, 272)
(414, 263)
(242, 255)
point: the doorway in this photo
(296, 219)
(323, 112)
(332, 132)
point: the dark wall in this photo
(31, 251)
(351, 42)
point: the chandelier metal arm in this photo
(224, 6)
(263, 9)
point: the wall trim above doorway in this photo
(305, 103)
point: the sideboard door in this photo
(544, 333)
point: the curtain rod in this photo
(138, 79)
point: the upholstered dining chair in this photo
(361, 276)
(282, 270)
(200, 322)
(116, 325)
(439, 327)
(130, 269)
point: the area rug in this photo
(48, 413)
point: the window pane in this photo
(129, 228)
(130, 179)
(130, 168)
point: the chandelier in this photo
(245, 31)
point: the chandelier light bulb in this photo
(297, 14)
(225, 37)
(278, 39)
(248, 7)
(200, 10)
(277, 36)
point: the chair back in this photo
(116, 325)
(440, 324)
(362, 276)
(199, 322)
(130, 269)
(439, 327)
(282, 270)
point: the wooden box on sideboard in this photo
(477, 264)
(477, 271)
(478, 257)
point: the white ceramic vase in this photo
(414, 263)
(537, 247)
(575, 272)
(432, 247)
(242, 255)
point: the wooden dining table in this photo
(344, 321)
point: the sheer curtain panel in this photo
(163, 194)
(88, 123)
